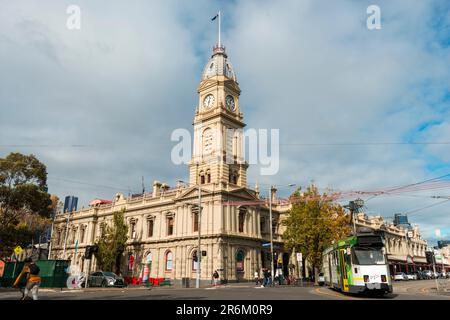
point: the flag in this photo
(215, 17)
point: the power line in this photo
(364, 143)
(426, 207)
(89, 184)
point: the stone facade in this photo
(163, 233)
(405, 248)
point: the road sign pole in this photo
(15, 263)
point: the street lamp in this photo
(272, 190)
(199, 252)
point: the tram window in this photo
(366, 256)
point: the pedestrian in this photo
(31, 271)
(262, 277)
(216, 278)
(280, 277)
(256, 277)
(267, 279)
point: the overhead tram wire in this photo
(90, 184)
(363, 144)
(412, 212)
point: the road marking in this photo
(341, 296)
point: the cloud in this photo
(118, 87)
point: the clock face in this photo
(229, 100)
(208, 102)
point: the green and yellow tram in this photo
(358, 264)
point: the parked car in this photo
(411, 276)
(400, 276)
(427, 274)
(105, 279)
(321, 279)
(421, 275)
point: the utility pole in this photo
(58, 205)
(199, 251)
(197, 284)
(67, 231)
(272, 188)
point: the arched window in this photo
(58, 237)
(208, 176)
(195, 221)
(242, 212)
(82, 233)
(169, 261)
(150, 225)
(262, 225)
(133, 228)
(202, 178)
(170, 222)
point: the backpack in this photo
(34, 269)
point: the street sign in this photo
(266, 244)
(18, 250)
(299, 256)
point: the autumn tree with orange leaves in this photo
(313, 223)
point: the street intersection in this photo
(408, 290)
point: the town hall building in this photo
(164, 224)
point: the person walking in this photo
(256, 277)
(216, 278)
(31, 271)
(262, 277)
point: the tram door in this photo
(343, 270)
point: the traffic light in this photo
(90, 250)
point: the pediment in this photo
(243, 193)
(193, 191)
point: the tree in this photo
(313, 223)
(25, 204)
(111, 243)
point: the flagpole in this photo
(219, 29)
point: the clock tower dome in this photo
(218, 126)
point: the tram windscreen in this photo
(366, 256)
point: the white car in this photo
(400, 276)
(321, 279)
(411, 276)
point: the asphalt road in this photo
(408, 290)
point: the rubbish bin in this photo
(53, 273)
(12, 270)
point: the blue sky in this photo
(118, 87)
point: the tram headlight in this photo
(383, 278)
(366, 278)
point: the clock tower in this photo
(217, 155)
